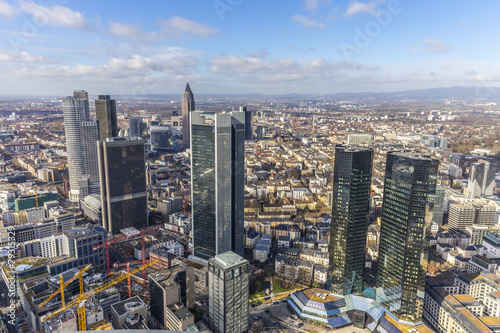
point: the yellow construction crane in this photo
(64, 285)
(80, 300)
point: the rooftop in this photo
(229, 259)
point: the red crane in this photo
(128, 271)
(123, 237)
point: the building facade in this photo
(350, 213)
(105, 114)
(217, 178)
(78, 146)
(481, 179)
(409, 190)
(122, 171)
(228, 293)
(187, 106)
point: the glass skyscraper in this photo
(409, 191)
(122, 172)
(350, 213)
(187, 106)
(105, 113)
(217, 178)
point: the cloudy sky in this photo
(51, 47)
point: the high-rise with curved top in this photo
(81, 137)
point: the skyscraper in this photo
(159, 138)
(228, 293)
(135, 128)
(217, 178)
(481, 179)
(105, 114)
(122, 171)
(187, 106)
(80, 134)
(409, 190)
(248, 123)
(350, 213)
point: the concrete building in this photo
(228, 293)
(81, 135)
(481, 179)
(130, 314)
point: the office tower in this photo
(122, 171)
(134, 125)
(80, 145)
(248, 123)
(105, 114)
(260, 132)
(437, 216)
(481, 179)
(350, 218)
(463, 215)
(228, 293)
(159, 138)
(187, 106)
(409, 190)
(217, 178)
(172, 292)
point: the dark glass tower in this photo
(187, 106)
(122, 172)
(105, 114)
(217, 178)
(350, 213)
(409, 191)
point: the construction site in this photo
(83, 298)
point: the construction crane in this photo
(79, 301)
(64, 285)
(127, 264)
(121, 238)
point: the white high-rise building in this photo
(81, 136)
(481, 179)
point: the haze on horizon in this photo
(241, 46)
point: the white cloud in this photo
(23, 57)
(127, 30)
(56, 15)
(6, 10)
(183, 25)
(306, 22)
(313, 5)
(281, 70)
(357, 7)
(173, 28)
(433, 45)
(232, 63)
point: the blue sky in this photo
(51, 47)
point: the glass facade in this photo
(123, 184)
(105, 114)
(217, 171)
(350, 216)
(409, 191)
